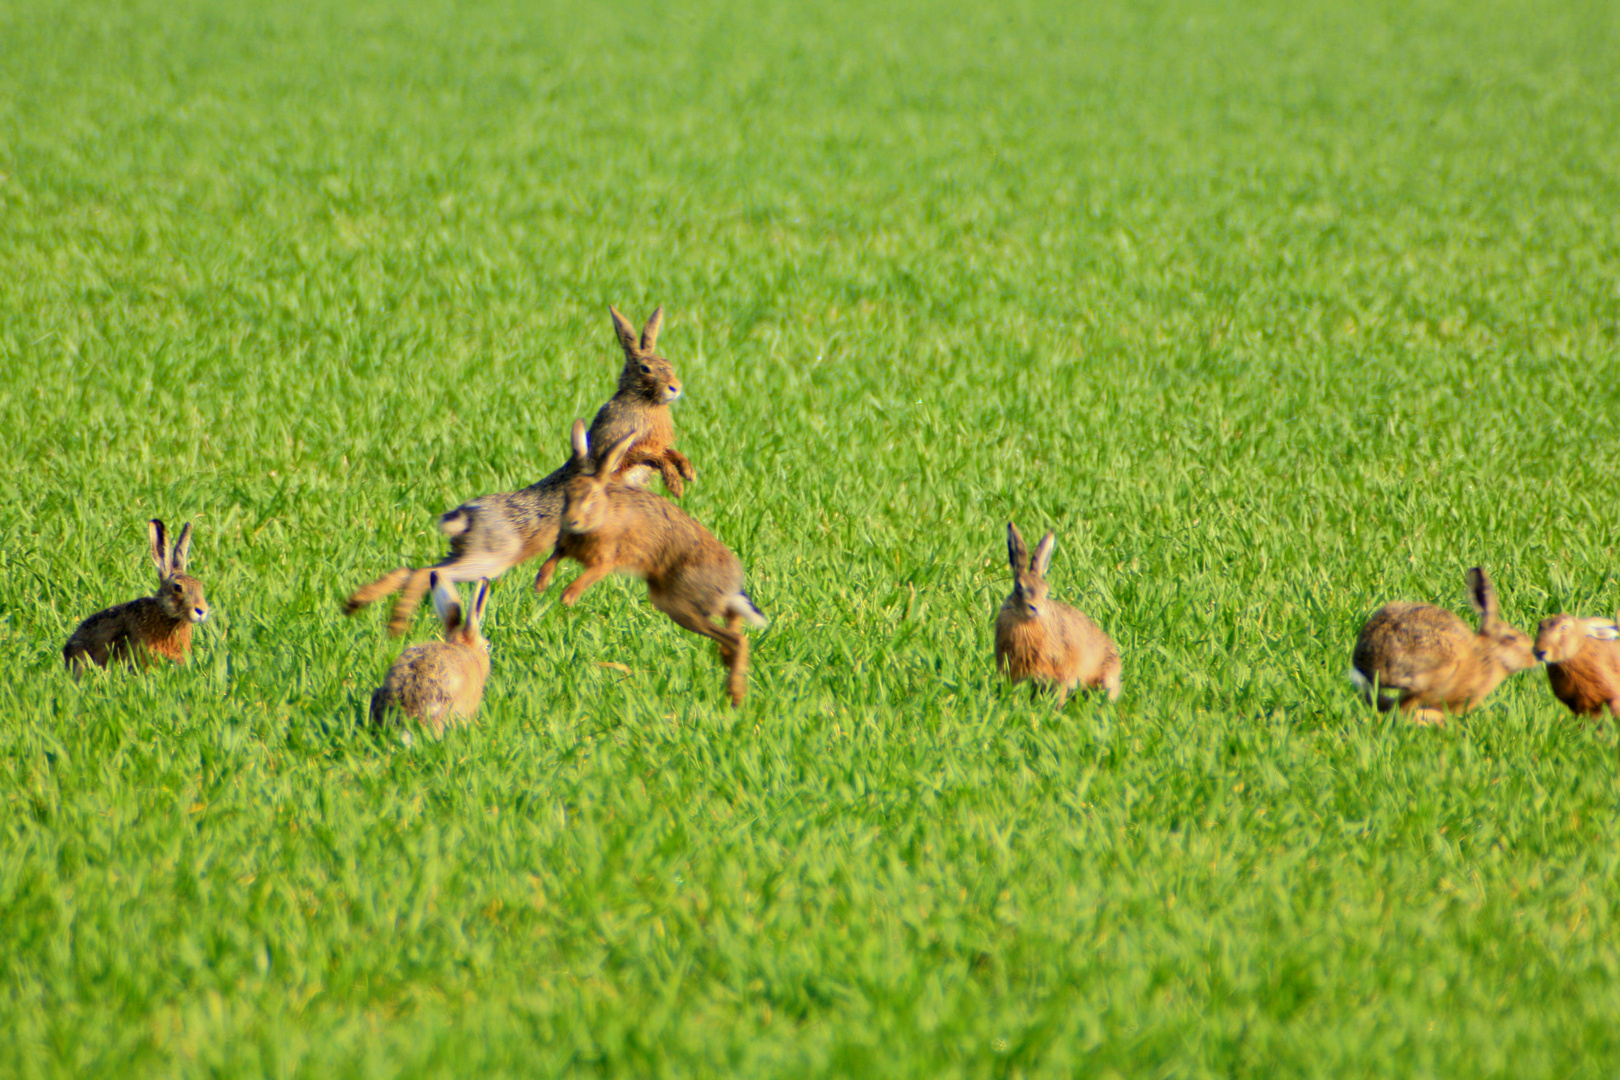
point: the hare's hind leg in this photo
(368, 594)
(733, 647)
(736, 659)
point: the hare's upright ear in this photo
(480, 600)
(581, 444)
(649, 333)
(447, 602)
(615, 455)
(626, 332)
(160, 546)
(1043, 554)
(1603, 629)
(1482, 594)
(1017, 553)
(182, 550)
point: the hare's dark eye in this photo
(645, 370)
(177, 589)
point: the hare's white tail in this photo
(742, 605)
(1363, 684)
(453, 523)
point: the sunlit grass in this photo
(1274, 313)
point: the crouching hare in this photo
(1051, 644)
(1433, 660)
(1583, 662)
(153, 626)
(691, 577)
(442, 682)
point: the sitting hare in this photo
(1049, 643)
(441, 682)
(156, 625)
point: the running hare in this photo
(1050, 643)
(493, 533)
(1583, 662)
(156, 625)
(441, 682)
(691, 577)
(1431, 657)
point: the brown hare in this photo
(647, 385)
(1051, 644)
(441, 682)
(153, 626)
(691, 577)
(493, 533)
(1433, 660)
(1583, 662)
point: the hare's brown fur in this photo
(647, 385)
(1053, 645)
(691, 577)
(1583, 662)
(1435, 662)
(152, 626)
(441, 682)
(493, 533)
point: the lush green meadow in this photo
(1275, 311)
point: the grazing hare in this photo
(691, 577)
(1431, 657)
(1050, 643)
(156, 625)
(493, 533)
(1583, 662)
(441, 682)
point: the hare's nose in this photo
(201, 613)
(672, 391)
(1541, 654)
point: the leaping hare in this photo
(1433, 660)
(1039, 639)
(156, 625)
(441, 682)
(691, 577)
(493, 533)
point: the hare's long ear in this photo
(1603, 629)
(626, 332)
(1482, 594)
(1017, 553)
(182, 550)
(480, 600)
(615, 454)
(159, 538)
(578, 439)
(649, 333)
(447, 602)
(1043, 554)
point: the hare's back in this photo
(1403, 638)
(1081, 634)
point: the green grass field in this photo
(1274, 311)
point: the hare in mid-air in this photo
(493, 533)
(152, 626)
(1053, 645)
(691, 577)
(1433, 660)
(1583, 662)
(440, 682)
